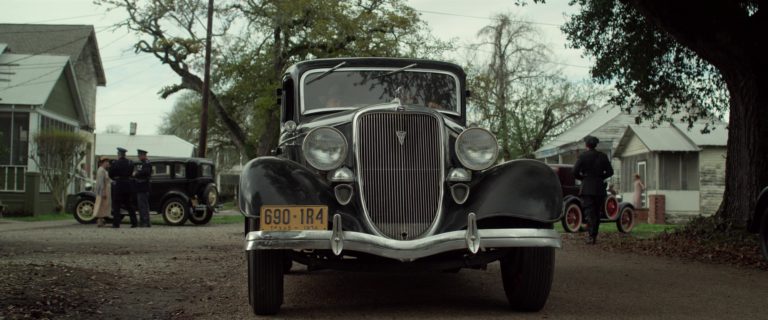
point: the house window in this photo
(14, 150)
(679, 171)
(53, 124)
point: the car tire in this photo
(84, 210)
(175, 211)
(626, 221)
(527, 277)
(572, 217)
(265, 281)
(200, 218)
(211, 195)
(764, 234)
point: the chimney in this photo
(133, 128)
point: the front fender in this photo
(523, 189)
(73, 198)
(277, 181)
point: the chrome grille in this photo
(400, 183)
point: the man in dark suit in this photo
(121, 173)
(592, 168)
(142, 176)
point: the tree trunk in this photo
(747, 156)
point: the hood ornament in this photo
(401, 96)
(400, 137)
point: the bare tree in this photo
(114, 128)
(57, 155)
(516, 97)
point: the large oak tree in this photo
(697, 58)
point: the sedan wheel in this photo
(527, 277)
(572, 218)
(626, 220)
(84, 211)
(265, 281)
(175, 211)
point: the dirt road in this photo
(66, 270)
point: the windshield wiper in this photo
(395, 71)
(327, 72)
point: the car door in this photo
(161, 183)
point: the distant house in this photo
(685, 166)
(49, 75)
(155, 145)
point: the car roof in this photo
(181, 159)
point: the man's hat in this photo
(141, 152)
(591, 141)
(121, 150)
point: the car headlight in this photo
(476, 148)
(325, 148)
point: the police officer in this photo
(592, 168)
(121, 171)
(142, 176)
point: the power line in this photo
(486, 18)
(30, 80)
(69, 18)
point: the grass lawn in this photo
(641, 230)
(43, 217)
(219, 219)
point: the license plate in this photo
(286, 217)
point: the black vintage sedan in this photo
(181, 189)
(377, 170)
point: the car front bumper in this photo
(338, 240)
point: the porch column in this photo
(32, 193)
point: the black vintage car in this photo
(181, 189)
(759, 221)
(377, 170)
(622, 213)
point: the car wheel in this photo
(211, 195)
(175, 211)
(265, 281)
(572, 217)
(527, 277)
(764, 234)
(626, 220)
(84, 211)
(201, 216)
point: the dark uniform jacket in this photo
(121, 171)
(592, 168)
(143, 174)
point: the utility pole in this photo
(206, 85)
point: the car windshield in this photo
(351, 89)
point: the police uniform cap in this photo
(591, 141)
(121, 150)
(140, 151)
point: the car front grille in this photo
(400, 165)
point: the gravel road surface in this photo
(63, 270)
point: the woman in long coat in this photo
(103, 190)
(638, 195)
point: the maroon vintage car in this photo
(623, 213)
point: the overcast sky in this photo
(134, 80)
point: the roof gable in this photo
(31, 77)
(53, 39)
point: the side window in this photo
(180, 171)
(161, 170)
(207, 170)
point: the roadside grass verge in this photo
(640, 231)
